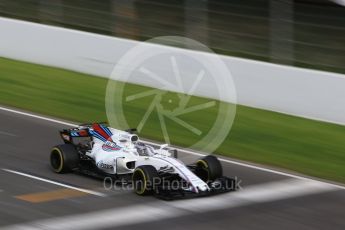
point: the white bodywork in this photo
(121, 155)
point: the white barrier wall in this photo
(302, 92)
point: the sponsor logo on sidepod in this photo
(110, 146)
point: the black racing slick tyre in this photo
(143, 179)
(209, 168)
(64, 158)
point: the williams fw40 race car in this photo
(99, 150)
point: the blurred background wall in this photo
(305, 33)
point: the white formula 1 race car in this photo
(96, 149)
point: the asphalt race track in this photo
(33, 197)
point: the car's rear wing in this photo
(68, 135)
(83, 131)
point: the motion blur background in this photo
(273, 101)
(286, 144)
(305, 33)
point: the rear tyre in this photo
(209, 168)
(144, 179)
(64, 158)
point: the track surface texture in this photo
(33, 197)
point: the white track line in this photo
(157, 211)
(263, 169)
(7, 134)
(56, 183)
(36, 116)
(184, 150)
(191, 152)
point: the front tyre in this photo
(209, 168)
(64, 158)
(144, 179)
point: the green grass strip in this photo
(306, 146)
